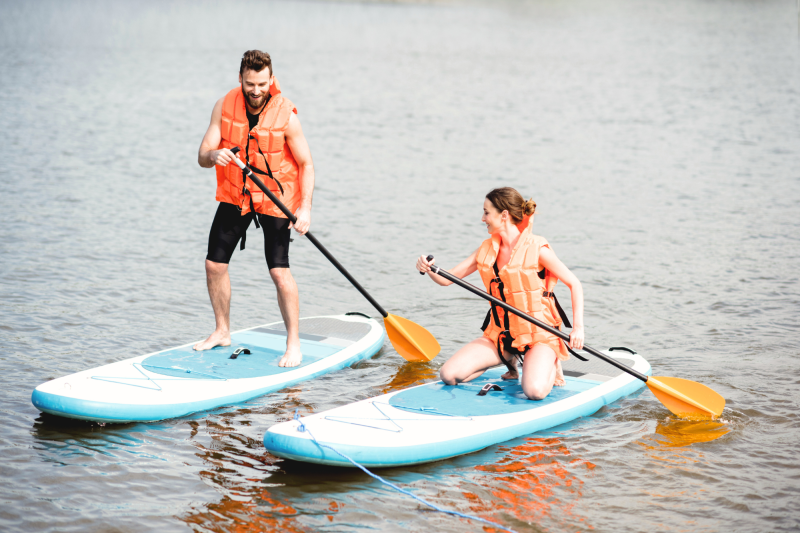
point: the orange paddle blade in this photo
(685, 398)
(411, 340)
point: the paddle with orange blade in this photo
(411, 340)
(685, 398)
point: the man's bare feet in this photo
(292, 357)
(218, 338)
(559, 382)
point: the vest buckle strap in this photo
(560, 310)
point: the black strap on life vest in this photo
(505, 336)
(246, 191)
(269, 170)
(504, 339)
(561, 312)
(565, 320)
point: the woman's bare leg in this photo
(539, 372)
(469, 362)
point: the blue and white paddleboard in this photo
(181, 381)
(434, 421)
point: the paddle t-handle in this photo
(308, 234)
(429, 258)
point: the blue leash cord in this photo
(392, 485)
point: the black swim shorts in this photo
(229, 226)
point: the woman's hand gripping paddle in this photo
(687, 399)
(411, 340)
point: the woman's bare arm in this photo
(462, 270)
(548, 259)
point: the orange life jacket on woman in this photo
(524, 284)
(263, 145)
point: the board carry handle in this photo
(238, 351)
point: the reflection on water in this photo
(62, 439)
(252, 480)
(530, 481)
(411, 374)
(237, 467)
(687, 432)
(672, 433)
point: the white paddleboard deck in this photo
(434, 421)
(180, 381)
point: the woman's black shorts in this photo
(229, 227)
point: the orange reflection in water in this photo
(687, 432)
(237, 466)
(672, 441)
(530, 481)
(258, 511)
(411, 374)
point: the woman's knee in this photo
(536, 390)
(448, 375)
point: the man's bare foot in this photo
(218, 338)
(559, 382)
(292, 357)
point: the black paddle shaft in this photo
(558, 333)
(308, 234)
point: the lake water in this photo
(661, 141)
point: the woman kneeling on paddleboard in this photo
(521, 269)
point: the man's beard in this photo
(255, 103)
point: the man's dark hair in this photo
(255, 60)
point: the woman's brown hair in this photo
(508, 199)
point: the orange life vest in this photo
(263, 145)
(524, 284)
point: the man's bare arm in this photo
(209, 153)
(302, 154)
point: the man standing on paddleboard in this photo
(259, 120)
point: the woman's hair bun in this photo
(529, 207)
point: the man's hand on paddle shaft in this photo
(303, 220)
(221, 157)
